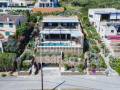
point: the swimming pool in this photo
(54, 44)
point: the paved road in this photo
(52, 78)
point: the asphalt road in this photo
(52, 79)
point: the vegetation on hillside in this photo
(115, 64)
(80, 8)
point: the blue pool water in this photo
(54, 44)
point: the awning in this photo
(117, 37)
(55, 32)
(73, 33)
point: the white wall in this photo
(19, 2)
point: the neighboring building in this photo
(4, 3)
(23, 3)
(7, 5)
(107, 23)
(47, 3)
(110, 34)
(61, 34)
(47, 6)
(18, 3)
(12, 3)
(102, 15)
(8, 25)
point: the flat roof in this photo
(60, 19)
(104, 10)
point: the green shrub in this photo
(93, 66)
(115, 64)
(95, 49)
(80, 68)
(26, 65)
(3, 75)
(6, 61)
(102, 63)
(66, 66)
(118, 69)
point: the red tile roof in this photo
(48, 10)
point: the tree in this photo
(21, 29)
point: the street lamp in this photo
(41, 69)
(41, 76)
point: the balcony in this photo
(60, 26)
(111, 22)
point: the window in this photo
(50, 4)
(47, 5)
(43, 5)
(105, 17)
(91, 16)
(22, 4)
(44, 0)
(11, 25)
(50, 24)
(112, 31)
(1, 24)
(7, 33)
(40, 5)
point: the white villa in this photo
(8, 24)
(61, 34)
(46, 3)
(6, 5)
(107, 23)
(103, 15)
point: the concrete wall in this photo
(70, 50)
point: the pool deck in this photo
(61, 44)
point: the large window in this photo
(105, 17)
(11, 25)
(51, 0)
(40, 5)
(3, 4)
(91, 16)
(1, 24)
(47, 5)
(7, 33)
